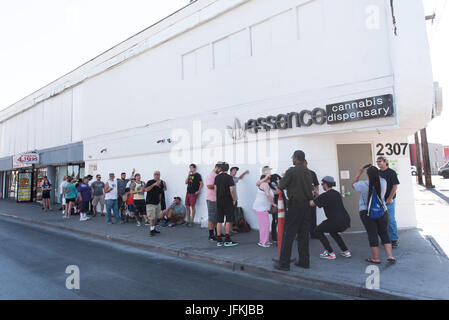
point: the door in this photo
(350, 158)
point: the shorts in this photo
(153, 211)
(131, 208)
(225, 209)
(191, 199)
(98, 199)
(212, 211)
(140, 207)
(45, 195)
(84, 206)
(68, 200)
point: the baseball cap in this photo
(300, 155)
(236, 168)
(266, 169)
(330, 180)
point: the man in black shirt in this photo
(315, 185)
(154, 189)
(392, 186)
(194, 184)
(298, 182)
(337, 219)
(225, 192)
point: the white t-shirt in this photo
(112, 194)
(61, 187)
(262, 203)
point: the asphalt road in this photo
(33, 261)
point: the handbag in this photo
(273, 210)
(376, 207)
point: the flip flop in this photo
(370, 260)
(391, 260)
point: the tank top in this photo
(262, 203)
(111, 195)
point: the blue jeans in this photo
(392, 227)
(112, 205)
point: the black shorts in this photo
(84, 206)
(45, 195)
(141, 207)
(67, 200)
(225, 209)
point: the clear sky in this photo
(41, 40)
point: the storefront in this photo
(242, 81)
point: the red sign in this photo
(25, 160)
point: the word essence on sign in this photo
(362, 109)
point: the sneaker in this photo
(220, 243)
(147, 223)
(346, 254)
(156, 231)
(171, 225)
(153, 232)
(230, 243)
(264, 245)
(327, 255)
(138, 223)
(212, 238)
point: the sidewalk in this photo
(421, 271)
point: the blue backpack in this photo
(376, 207)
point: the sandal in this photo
(391, 260)
(371, 260)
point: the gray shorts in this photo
(212, 210)
(98, 199)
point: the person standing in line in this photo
(62, 194)
(84, 197)
(90, 181)
(154, 190)
(298, 181)
(225, 193)
(315, 191)
(121, 186)
(163, 203)
(337, 219)
(262, 204)
(375, 228)
(194, 184)
(110, 190)
(233, 173)
(97, 188)
(138, 191)
(46, 199)
(70, 194)
(274, 177)
(390, 198)
(211, 201)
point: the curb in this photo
(323, 285)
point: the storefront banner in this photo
(25, 160)
(362, 109)
(24, 190)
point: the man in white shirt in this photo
(61, 193)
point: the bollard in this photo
(281, 219)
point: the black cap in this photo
(300, 155)
(236, 168)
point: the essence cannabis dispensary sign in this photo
(349, 111)
(362, 109)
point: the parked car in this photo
(444, 171)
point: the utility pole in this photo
(425, 153)
(418, 159)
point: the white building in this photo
(216, 61)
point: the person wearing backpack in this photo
(372, 193)
(262, 204)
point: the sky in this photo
(43, 40)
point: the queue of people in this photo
(125, 200)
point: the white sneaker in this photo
(264, 245)
(346, 254)
(327, 255)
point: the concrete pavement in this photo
(421, 271)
